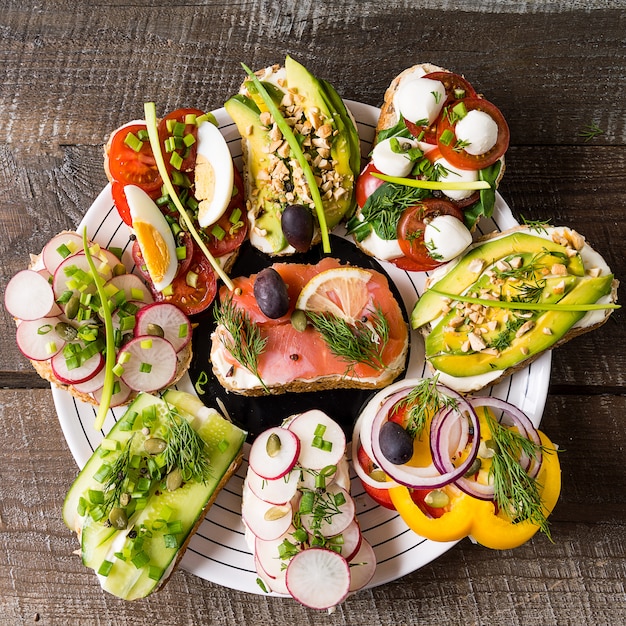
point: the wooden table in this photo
(70, 73)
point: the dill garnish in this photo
(243, 339)
(539, 226)
(113, 483)
(590, 131)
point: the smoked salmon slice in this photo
(297, 361)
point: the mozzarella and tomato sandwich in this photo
(295, 327)
(437, 159)
(183, 202)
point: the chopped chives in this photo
(183, 330)
(218, 232)
(105, 568)
(170, 541)
(64, 251)
(145, 368)
(223, 445)
(191, 279)
(133, 142)
(140, 560)
(189, 140)
(175, 527)
(190, 118)
(320, 429)
(178, 129)
(460, 110)
(181, 253)
(234, 216)
(118, 369)
(146, 344)
(176, 160)
(142, 134)
(154, 572)
(447, 137)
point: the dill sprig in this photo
(114, 480)
(361, 342)
(539, 226)
(590, 131)
(529, 292)
(504, 338)
(185, 450)
(515, 492)
(243, 339)
(421, 403)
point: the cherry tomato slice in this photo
(380, 496)
(367, 184)
(132, 167)
(193, 299)
(455, 85)
(188, 154)
(121, 204)
(461, 158)
(411, 232)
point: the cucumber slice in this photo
(133, 562)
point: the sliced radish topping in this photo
(28, 296)
(168, 318)
(277, 585)
(147, 363)
(338, 506)
(278, 491)
(318, 578)
(274, 453)
(362, 566)
(80, 374)
(73, 273)
(268, 553)
(266, 521)
(119, 397)
(322, 441)
(37, 339)
(133, 287)
(92, 384)
(59, 248)
(349, 539)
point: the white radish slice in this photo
(59, 248)
(318, 578)
(349, 539)
(125, 312)
(362, 566)
(79, 374)
(149, 363)
(37, 339)
(340, 515)
(267, 552)
(322, 441)
(266, 521)
(278, 491)
(274, 453)
(133, 287)
(119, 397)
(56, 310)
(62, 275)
(92, 384)
(174, 323)
(28, 296)
(277, 585)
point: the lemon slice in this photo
(341, 291)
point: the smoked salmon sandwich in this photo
(298, 327)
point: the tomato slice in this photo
(380, 496)
(411, 232)
(188, 154)
(121, 204)
(193, 299)
(456, 87)
(367, 184)
(131, 167)
(461, 158)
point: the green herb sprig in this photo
(114, 479)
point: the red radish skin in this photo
(28, 296)
(305, 426)
(266, 550)
(154, 351)
(175, 324)
(362, 566)
(36, 344)
(270, 465)
(352, 537)
(318, 578)
(79, 374)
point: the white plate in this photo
(218, 552)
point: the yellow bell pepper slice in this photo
(469, 516)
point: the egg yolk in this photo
(153, 248)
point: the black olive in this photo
(395, 443)
(271, 293)
(298, 227)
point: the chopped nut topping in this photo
(594, 272)
(559, 287)
(476, 343)
(558, 269)
(524, 328)
(547, 331)
(524, 350)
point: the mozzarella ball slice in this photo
(420, 100)
(478, 131)
(451, 174)
(393, 163)
(154, 237)
(446, 237)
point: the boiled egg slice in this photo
(154, 237)
(214, 177)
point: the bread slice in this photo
(594, 266)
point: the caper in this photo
(118, 518)
(473, 468)
(174, 479)
(437, 499)
(298, 320)
(155, 330)
(154, 445)
(65, 331)
(273, 445)
(72, 306)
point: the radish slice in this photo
(274, 453)
(267, 551)
(133, 287)
(28, 296)
(37, 339)
(349, 539)
(362, 566)
(322, 441)
(92, 384)
(341, 511)
(265, 520)
(62, 275)
(59, 248)
(318, 578)
(79, 374)
(174, 323)
(149, 363)
(277, 585)
(278, 491)
(118, 398)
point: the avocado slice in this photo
(548, 328)
(471, 265)
(320, 104)
(131, 562)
